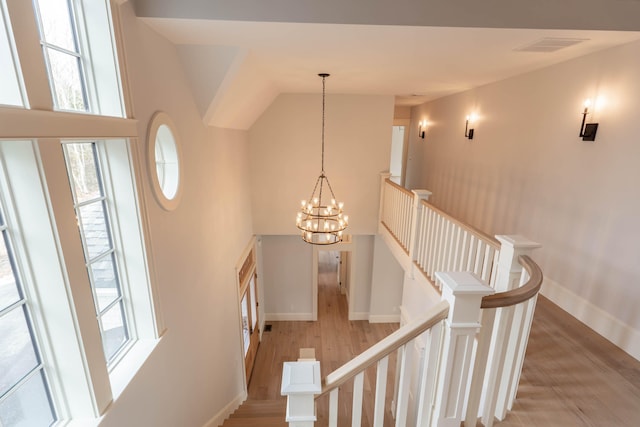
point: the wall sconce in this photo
(587, 130)
(468, 133)
(421, 128)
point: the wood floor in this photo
(571, 375)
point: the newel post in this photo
(383, 184)
(509, 270)
(464, 292)
(416, 226)
(510, 333)
(300, 383)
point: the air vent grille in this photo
(550, 44)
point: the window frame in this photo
(99, 95)
(112, 227)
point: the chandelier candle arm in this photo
(322, 222)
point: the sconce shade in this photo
(587, 130)
(468, 133)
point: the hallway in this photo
(335, 339)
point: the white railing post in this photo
(416, 226)
(509, 270)
(507, 349)
(383, 183)
(463, 291)
(300, 383)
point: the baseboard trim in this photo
(619, 333)
(288, 317)
(384, 318)
(223, 414)
(359, 315)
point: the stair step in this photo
(256, 422)
(263, 413)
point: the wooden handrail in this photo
(385, 347)
(400, 187)
(520, 294)
(491, 241)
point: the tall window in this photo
(78, 47)
(10, 87)
(24, 392)
(62, 54)
(90, 203)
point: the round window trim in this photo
(164, 161)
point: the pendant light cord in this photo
(323, 96)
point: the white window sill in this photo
(122, 374)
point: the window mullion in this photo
(60, 49)
(23, 380)
(27, 42)
(90, 201)
(12, 307)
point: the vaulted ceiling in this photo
(239, 55)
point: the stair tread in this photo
(263, 413)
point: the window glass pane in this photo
(105, 281)
(167, 167)
(83, 171)
(114, 333)
(254, 311)
(10, 93)
(9, 293)
(95, 229)
(56, 23)
(28, 406)
(246, 337)
(67, 81)
(17, 354)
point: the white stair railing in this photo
(459, 368)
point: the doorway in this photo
(334, 262)
(249, 314)
(398, 158)
(250, 329)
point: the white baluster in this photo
(356, 409)
(381, 392)
(431, 362)
(333, 408)
(402, 405)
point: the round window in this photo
(164, 161)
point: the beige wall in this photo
(196, 370)
(526, 171)
(285, 148)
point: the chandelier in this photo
(321, 220)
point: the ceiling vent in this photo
(550, 44)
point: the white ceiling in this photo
(415, 64)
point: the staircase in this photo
(258, 413)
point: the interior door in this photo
(250, 325)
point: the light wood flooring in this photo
(571, 375)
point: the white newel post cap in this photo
(300, 383)
(422, 194)
(517, 241)
(464, 291)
